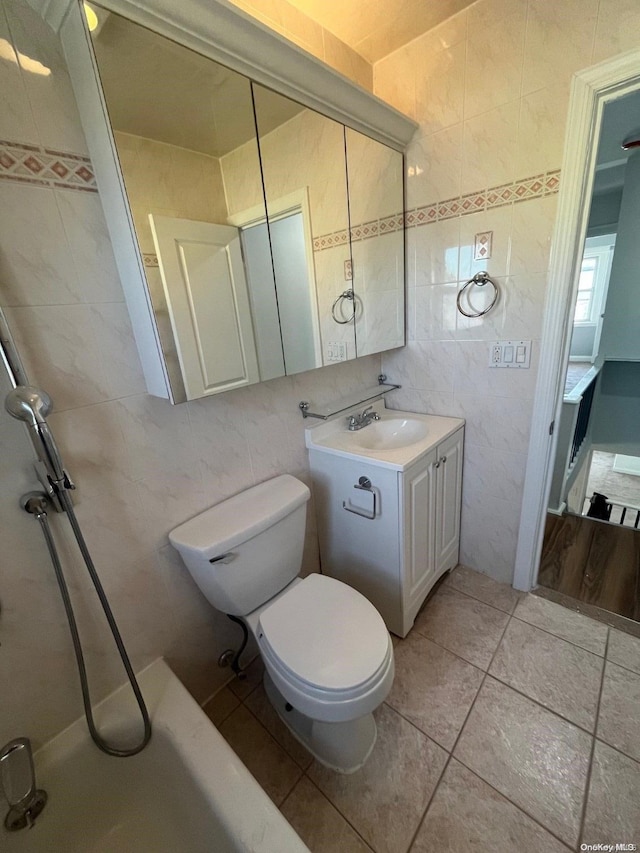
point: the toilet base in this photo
(343, 747)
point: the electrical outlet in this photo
(496, 353)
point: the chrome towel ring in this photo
(348, 294)
(480, 279)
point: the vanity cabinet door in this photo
(419, 492)
(448, 499)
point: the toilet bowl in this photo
(328, 656)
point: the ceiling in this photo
(160, 90)
(375, 29)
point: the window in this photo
(594, 279)
(586, 290)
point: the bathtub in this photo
(187, 792)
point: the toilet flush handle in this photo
(223, 558)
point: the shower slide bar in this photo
(9, 354)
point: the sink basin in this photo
(390, 434)
(395, 441)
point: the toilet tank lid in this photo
(240, 518)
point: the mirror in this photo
(178, 121)
(376, 205)
(305, 185)
(242, 289)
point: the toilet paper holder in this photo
(364, 485)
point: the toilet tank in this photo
(244, 550)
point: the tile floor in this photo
(513, 725)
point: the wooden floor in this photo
(594, 562)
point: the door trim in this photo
(591, 90)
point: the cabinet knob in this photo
(437, 464)
(444, 459)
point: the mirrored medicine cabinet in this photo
(267, 236)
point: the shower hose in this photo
(37, 509)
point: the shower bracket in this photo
(52, 490)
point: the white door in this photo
(206, 292)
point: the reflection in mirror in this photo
(179, 120)
(596, 476)
(376, 206)
(305, 185)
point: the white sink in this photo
(395, 441)
(390, 434)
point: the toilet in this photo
(327, 653)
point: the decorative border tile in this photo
(149, 259)
(523, 189)
(45, 167)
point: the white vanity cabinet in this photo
(394, 538)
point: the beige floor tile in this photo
(386, 799)
(564, 623)
(463, 625)
(613, 808)
(555, 673)
(275, 771)
(319, 825)
(258, 703)
(624, 650)
(433, 688)
(619, 720)
(220, 706)
(242, 687)
(468, 815)
(535, 758)
(484, 588)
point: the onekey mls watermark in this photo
(609, 848)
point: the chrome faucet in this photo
(355, 422)
(18, 779)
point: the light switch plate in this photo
(515, 354)
(337, 351)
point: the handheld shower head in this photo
(26, 403)
(32, 406)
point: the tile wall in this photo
(490, 89)
(141, 465)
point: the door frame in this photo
(591, 90)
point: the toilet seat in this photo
(327, 649)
